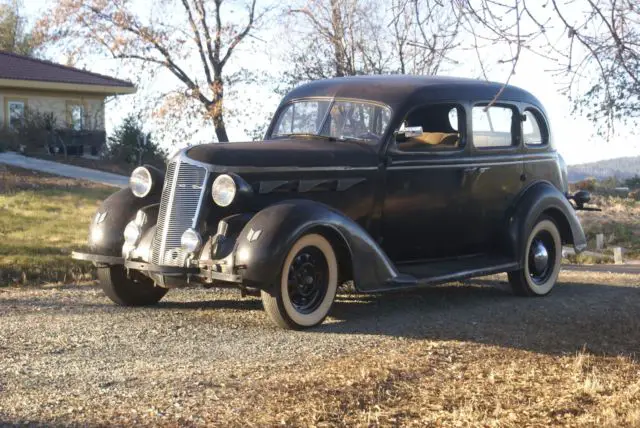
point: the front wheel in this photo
(136, 291)
(543, 253)
(308, 285)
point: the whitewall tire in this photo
(307, 285)
(542, 257)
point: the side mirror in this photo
(408, 132)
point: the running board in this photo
(440, 272)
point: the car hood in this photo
(282, 153)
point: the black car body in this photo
(411, 181)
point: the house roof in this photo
(25, 72)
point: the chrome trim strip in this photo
(203, 191)
(240, 169)
(167, 220)
(468, 164)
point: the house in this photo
(74, 97)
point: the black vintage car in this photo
(392, 182)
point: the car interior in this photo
(440, 126)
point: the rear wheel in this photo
(543, 253)
(136, 291)
(307, 286)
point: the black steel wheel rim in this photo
(308, 280)
(542, 256)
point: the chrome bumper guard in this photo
(203, 272)
(97, 259)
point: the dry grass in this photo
(42, 219)
(618, 221)
(452, 384)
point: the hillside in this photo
(622, 168)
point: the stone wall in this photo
(59, 104)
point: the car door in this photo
(425, 208)
(497, 148)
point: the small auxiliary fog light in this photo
(191, 240)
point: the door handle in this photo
(469, 171)
(476, 170)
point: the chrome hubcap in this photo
(542, 254)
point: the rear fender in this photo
(543, 199)
(279, 226)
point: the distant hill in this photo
(621, 168)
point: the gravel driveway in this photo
(67, 355)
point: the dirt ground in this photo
(465, 354)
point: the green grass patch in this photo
(39, 229)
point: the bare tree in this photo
(425, 32)
(595, 45)
(337, 38)
(168, 38)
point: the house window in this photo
(15, 116)
(76, 116)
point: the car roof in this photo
(396, 90)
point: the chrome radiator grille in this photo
(179, 210)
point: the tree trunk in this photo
(338, 36)
(216, 110)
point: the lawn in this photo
(42, 219)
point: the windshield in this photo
(342, 120)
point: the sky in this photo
(575, 137)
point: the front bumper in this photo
(207, 271)
(97, 259)
(204, 272)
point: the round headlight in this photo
(223, 190)
(141, 182)
(191, 240)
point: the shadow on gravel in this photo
(600, 319)
(241, 305)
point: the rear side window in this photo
(534, 132)
(493, 127)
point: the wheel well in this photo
(563, 224)
(343, 254)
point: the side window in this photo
(441, 124)
(533, 130)
(15, 113)
(76, 114)
(494, 126)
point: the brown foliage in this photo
(116, 28)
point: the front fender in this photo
(281, 225)
(106, 232)
(543, 198)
